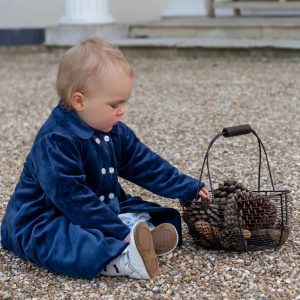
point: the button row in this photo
(106, 139)
(110, 196)
(111, 170)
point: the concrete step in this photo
(219, 44)
(258, 4)
(259, 28)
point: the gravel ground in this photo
(179, 104)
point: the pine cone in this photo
(271, 236)
(276, 234)
(233, 240)
(258, 212)
(232, 216)
(200, 210)
(204, 229)
(228, 189)
(246, 234)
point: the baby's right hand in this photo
(127, 239)
(204, 194)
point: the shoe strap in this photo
(127, 264)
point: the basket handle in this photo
(231, 132)
(236, 130)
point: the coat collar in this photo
(70, 121)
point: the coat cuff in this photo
(125, 233)
(192, 189)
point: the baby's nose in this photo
(120, 113)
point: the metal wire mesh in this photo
(259, 222)
(238, 219)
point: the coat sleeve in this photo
(142, 166)
(58, 167)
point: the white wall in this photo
(133, 11)
(30, 13)
(186, 8)
(44, 13)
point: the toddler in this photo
(68, 213)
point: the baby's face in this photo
(105, 106)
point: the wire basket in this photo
(238, 219)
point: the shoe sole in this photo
(145, 246)
(165, 238)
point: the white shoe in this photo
(139, 259)
(165, 238)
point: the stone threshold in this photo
(207, 43)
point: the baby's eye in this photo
(114, 105)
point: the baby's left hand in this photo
(204, 194)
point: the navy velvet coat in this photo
(63, 215)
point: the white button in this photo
(111, 170)
(111, 195)
(103, 171)
(106, 138)
(97, 141)
(102, 198)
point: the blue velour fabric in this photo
(63, 214)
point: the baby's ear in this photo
(77, 101)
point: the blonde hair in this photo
(84, 64)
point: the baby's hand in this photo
(204, 194)
(127, 239)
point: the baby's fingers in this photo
(204, 194)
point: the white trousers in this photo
(119, 265)
(130, 219)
